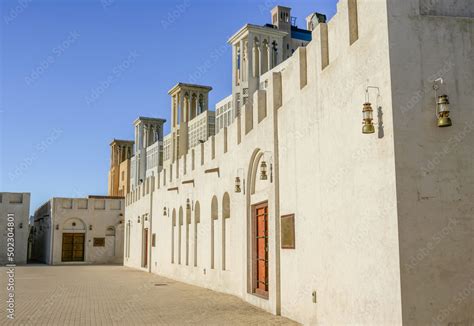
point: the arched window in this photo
(256, 58)
(197, 220)
(265, 57)
(225, 230)
(194, 107)
(214, 217)
(179, 233)
(188, 221)
(200, 104)
(274, 54)
(173, 225)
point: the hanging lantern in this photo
(164, 211)
(263, 171)
(442, 111)
(368, 117)
(138, 220)
(188, 204)
(90, 227)
(237, 185)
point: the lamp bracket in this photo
(367, 99)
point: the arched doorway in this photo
(73, 241)
(258, 231)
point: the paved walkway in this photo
(114, 295)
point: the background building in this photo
(148, 156)
(258, 49)
(15, 206)
(119, 174)
(79, 230)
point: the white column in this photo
(241, 45)
(181, 106)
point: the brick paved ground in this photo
(114, 295)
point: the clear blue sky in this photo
(74, 74)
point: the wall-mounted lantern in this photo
(164, 212)
(20, 225)
(57, 226)
(238, 181)
(90, 227)
(442, 106)
(368, 117)
(138, 220)
(263, 170)
(368, 112)
(237, 185)
(188, 204)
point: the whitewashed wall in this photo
(353, 195)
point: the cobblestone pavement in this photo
(114, 295)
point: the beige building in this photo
(119, 174)
(342, 192)
(148, 157)
(14, 223)
(79, 230)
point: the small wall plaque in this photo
(288, 232)
(99, 242)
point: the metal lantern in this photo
(263, 171)
(164, 211)
(138, 221)
(237, 185)
(188, 204)
(90, 227)
(442, 111)
(368, 117)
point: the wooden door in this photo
(261, 249)
(145, 248)
(73, 247)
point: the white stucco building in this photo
(79, 230)
(14, 224)
(293, 208)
